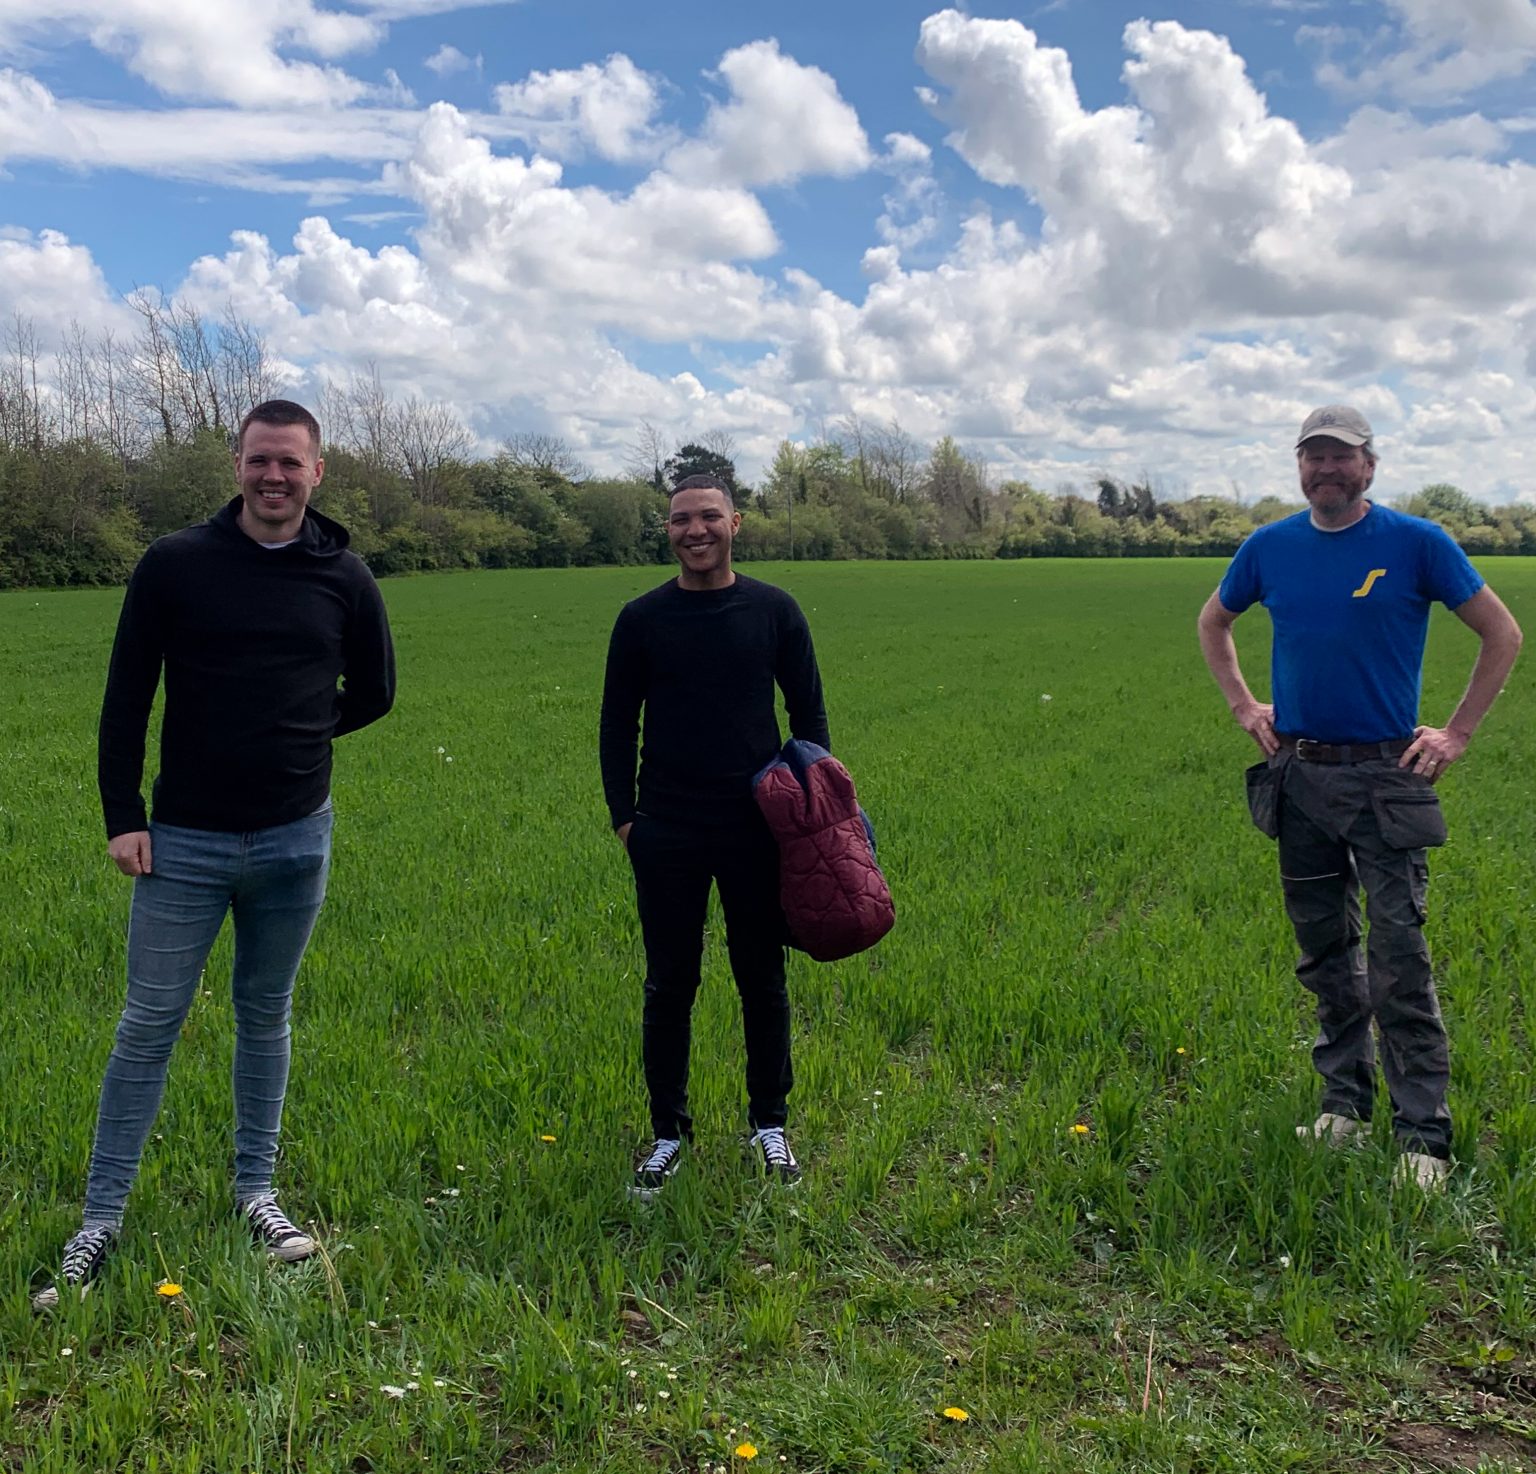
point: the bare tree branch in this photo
(547, 454)
(721, 442)
(428, 437)
(647, 454)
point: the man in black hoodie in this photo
(254, 616)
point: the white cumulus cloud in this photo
(783, 121)
(507, 225)
(49, 280)
(447, 60)
(607, 110)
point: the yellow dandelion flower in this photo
(1179, 1050)
(1080, 1129)
(546, 1137)
(957, 1415)
(168, 1289)
(746, 1451)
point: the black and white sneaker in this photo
(84, 1255)
(655, 1167)
(774, 1156)
(274, 1232)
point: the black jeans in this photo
(674, 864)
(1342, 827)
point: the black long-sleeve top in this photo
(703, 664)
(252, 642)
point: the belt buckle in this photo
(1305, 747)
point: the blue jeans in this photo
(273, 880)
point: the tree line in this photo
(108, 442)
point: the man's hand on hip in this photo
(1257, 719)
(1433, 750)
(130, 852)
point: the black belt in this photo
(1308, 751)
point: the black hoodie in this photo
(253, 641)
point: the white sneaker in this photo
(1420, 1170)
(1332, 1129)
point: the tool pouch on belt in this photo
(1409, 814)
(1263, 784)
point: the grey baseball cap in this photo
(1338, 422)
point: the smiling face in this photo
(700, 526)
(1334, 476)
(277, 466)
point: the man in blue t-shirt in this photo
(1346, 784)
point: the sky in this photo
(1083, 237)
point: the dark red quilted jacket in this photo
(834, 895)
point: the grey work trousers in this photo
(1340, 827)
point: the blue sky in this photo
(1084, 237)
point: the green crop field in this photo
(1090, 936)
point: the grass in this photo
(1090, 935)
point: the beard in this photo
(1335, 491)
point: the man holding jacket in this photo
(702, 656)
(253, 617)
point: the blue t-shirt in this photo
(1350, 610)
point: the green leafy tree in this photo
(1449, 505)
(349, 506)
(956, 485)
(184, 481)
(1271, 509)
(614, 513)
(697, 460)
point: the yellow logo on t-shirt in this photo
(1370, 578)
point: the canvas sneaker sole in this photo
(292, 1251)
(1334, 1130)
(51, 1298)
(1419, 1170)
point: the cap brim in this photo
(1334, 432)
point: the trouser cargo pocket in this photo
(1263, 783)
(1410, 818)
